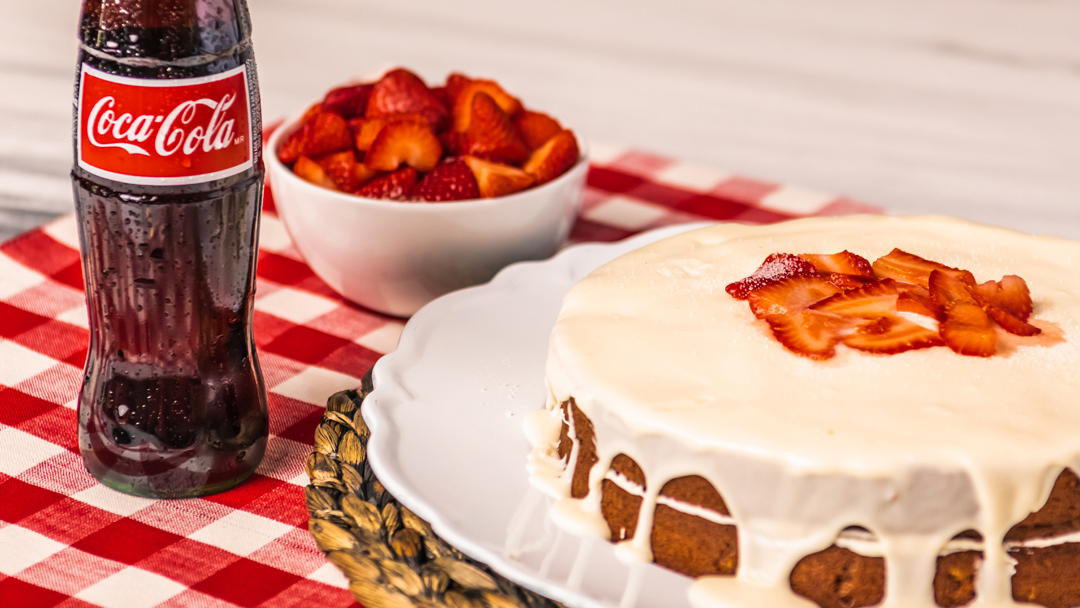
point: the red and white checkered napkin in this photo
(67, 541)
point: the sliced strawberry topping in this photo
(491, 134)
(396, 186)
(776, 267)
(810, 333)
(871, 301)
(310, 171)
(844, 262)
(845, 281)
(349, 101)
(495, 179)
(813, 302)
(965, 326)
(906, 267)
(400, 91)
(1010, 294)
(553, 158)
(1012, 324)
(536, 128)
(452, 180)
(890, 335)
(404, 142)
(790, 295)
(917, 300)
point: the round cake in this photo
(679, 427)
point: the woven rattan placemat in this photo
(391, 557)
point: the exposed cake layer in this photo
(916, 447)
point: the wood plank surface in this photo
(960, 107)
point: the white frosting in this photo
(915, 447)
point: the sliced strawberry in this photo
(367, 129)
(491, 134)
(349, 101)
(396, 186)
(553, 158)
(906, 267)
(463, 101)
(309, 170)
(965, 327)
(917, 300)
(845, 281)
(776, 267)
(536, 128)
(496, 179)
(810, 333)
(322, 133)
(951, 287)
(890, 335)
(871, 301)
(1010, 294)
(1012, 324)
(844, 262)
(452, 180)
(790, 295)
(404, 142)
(341, 168)
(400, 91)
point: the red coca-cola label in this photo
(164, 132)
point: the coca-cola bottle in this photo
(168, 183)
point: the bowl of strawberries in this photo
(396, 192)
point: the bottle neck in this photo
(163, 30)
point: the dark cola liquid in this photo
(173, 402)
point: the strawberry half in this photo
(790, 295)
(810, 333)
(890, 335)
(965, 326)
(452, 180)
(844, 262)
(400, 91)
(906, 267)
(322, 133)
(536, 128)
(341, 168)
(776, 267)
(396, 186)
(367, 129)
(553, 158)
(496, 179)
(350, 101)
(404, 142)
(491, 134)
(310, 171)
(463, 100)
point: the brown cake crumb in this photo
(839, 578)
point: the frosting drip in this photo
(915, 447)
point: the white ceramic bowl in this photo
(394, 257)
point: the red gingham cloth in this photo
(67, 541)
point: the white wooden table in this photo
(961, 107)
